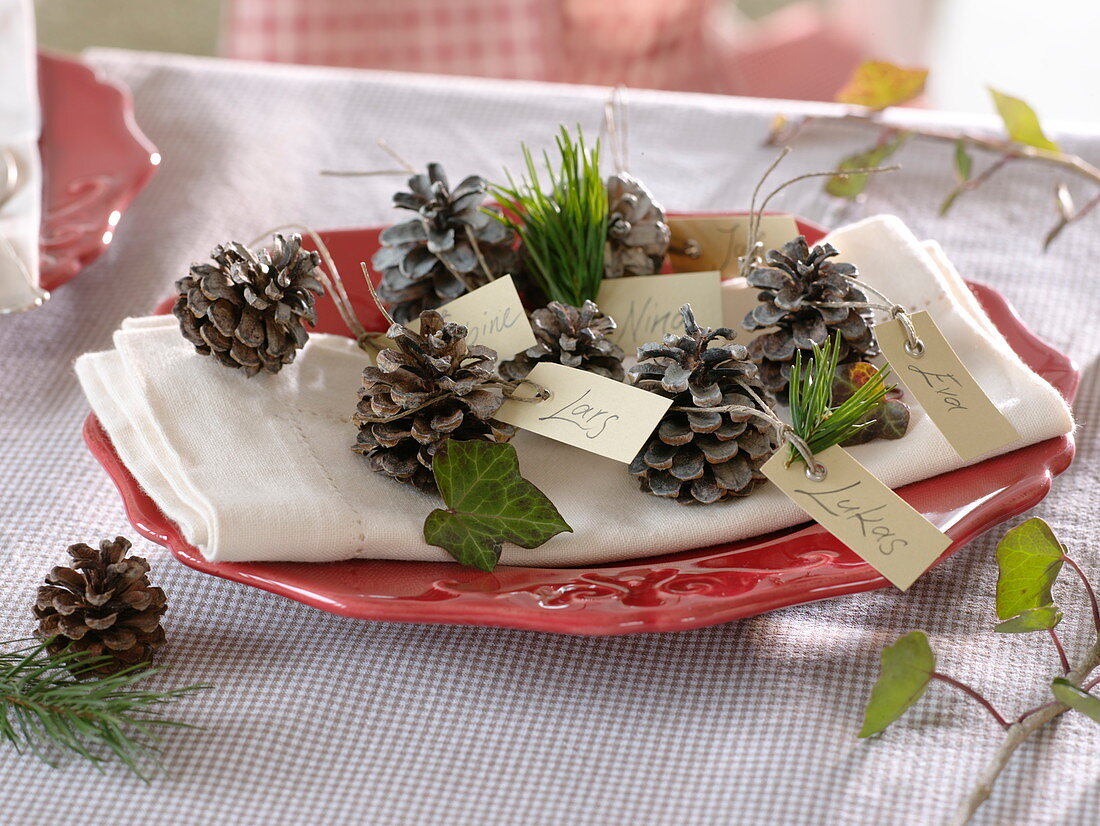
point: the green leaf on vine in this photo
(488, 503)
(1029, 558)
(877, 84)
(1078, 699)
(1021, 122)
(963, 162)
(849, 186)
(1035, 619)
(907, 668)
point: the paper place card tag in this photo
(950, 396)
(591, 412)
(494, 316)
(646, 307)
(721, 240)
(864, 514)
(738, 300)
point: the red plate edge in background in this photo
(680, 591)
(95, 160)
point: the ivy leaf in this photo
(1029, 558)
(907, 668)
(849, 186)
(1076, 698)
(1021, 122)
(1035, 619)
(488, 503)
(877, 84)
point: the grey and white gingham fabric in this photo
(318, 719)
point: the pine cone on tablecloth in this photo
(701, 455)
(431, 388)
(102, 606)
(431, 259)
(793, 288)
(248, 311)
(637, 232)
(575, 337)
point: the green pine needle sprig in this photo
(811, 390)
(563, 229)
(52, 704)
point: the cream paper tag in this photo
(646, 307)
(591, 412)
(950, 396)
(738, 300)
(864, 514)
(721, 240)
(494, 316)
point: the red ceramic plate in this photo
(94, 161)
(665, 593)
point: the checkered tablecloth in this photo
(318, 719)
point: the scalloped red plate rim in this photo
(680, 591)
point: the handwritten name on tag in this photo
(648, 306)
(591, 412)
(721, 240)
(950, 396)
(863, 513)
(494, 316)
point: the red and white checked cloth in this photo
(685, 45)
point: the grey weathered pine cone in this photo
(700, 455)
(573, 336)
(430, 259)
(793, 287)
(637, 231)
(429, 388)
(102, 606)
(249, 309)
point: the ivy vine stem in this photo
(1009, 149)
(1061, 651)
(1088, 590)
(1017, 733)
(974, 694)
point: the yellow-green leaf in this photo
(963, 161)
(1021, 122)
(1066, 692)
(488, 504)
(1036, 619)
(849, 186)
(877, 84)
(1029, 558)
(907, 668)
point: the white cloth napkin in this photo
(261, 469)
(20, 124)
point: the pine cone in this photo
(248, 311)
(699, 455)
(637, 232)
(102, 606)
(575, 337)
(432, 388)
(792, 290)
(426, 260)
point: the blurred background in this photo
(803, 49)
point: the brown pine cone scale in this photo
(430, 388)
(102, 606)
(699, 455)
